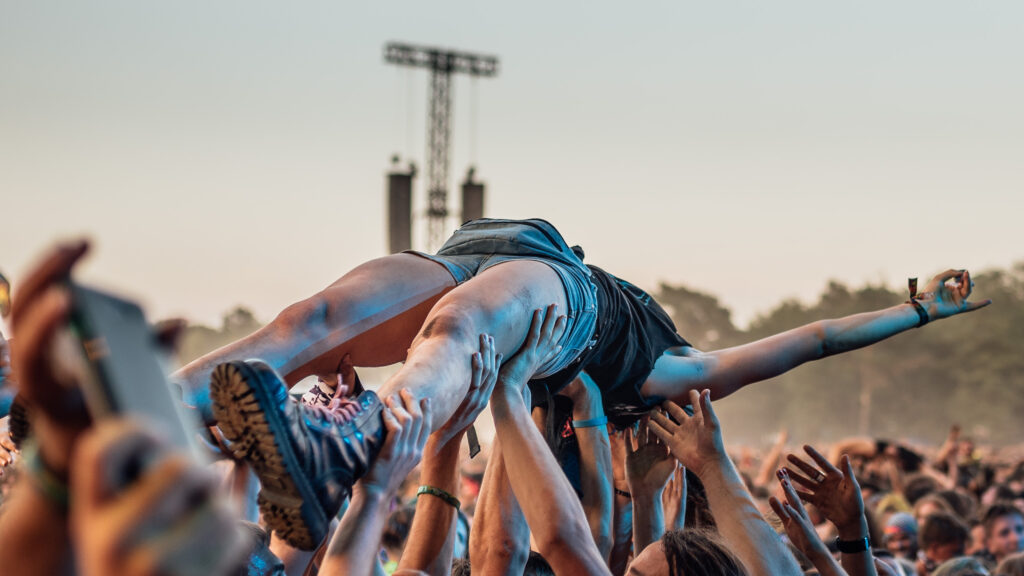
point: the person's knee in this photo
(304, 314)
(451, 322)
(317, 313)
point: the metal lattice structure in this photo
(442, 64)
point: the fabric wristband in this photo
(45, 480)
(623, 493)
(853, 546)
(442, 494)
(592, 423)
(922, 314)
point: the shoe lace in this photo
(339, 411)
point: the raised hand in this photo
(649, 464)
(673, 499)
(169, 520)
(797, 522)
(586, 397)
(485, 365)
(8, 450)
(946, 295)
(834, 492)
(405, 420)
(541, 345)
(696, 440)
(40, 309)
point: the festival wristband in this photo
(442, 494)
(44, 479)
(922, 314)
(592, 423)
(853, 546)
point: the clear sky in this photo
(234, 152)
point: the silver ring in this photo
(819, 478)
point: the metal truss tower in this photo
(442, 64)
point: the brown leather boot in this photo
(306, 457)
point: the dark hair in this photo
(460, 567)
(966, 507)
(919, 486)
(1012, 565)
(536, 565)
(698, 512)
(942, 528)
(19, 424)
(396, 531)
(690, 552)
(996, 511)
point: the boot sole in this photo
(248, 417)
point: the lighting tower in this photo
(442, 64)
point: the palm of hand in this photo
(695, 445)
(649, 467)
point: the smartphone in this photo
(122, 368)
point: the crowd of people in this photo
(573, 483)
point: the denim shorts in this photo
(484, 243)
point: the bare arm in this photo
(801, 530)
(622, 507)
(595, 460)
(353, 549)
(499, 542)
(552, 510)
(649, 465)
(31, 522)
(432, 535)
(548, 501)
(697, 442)
(836, 494)
(726, 371)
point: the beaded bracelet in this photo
(442, 494)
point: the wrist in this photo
(711, 466)
(371, 494)
(645, 494)
(441, 442)
(587, 409)
(853, 530)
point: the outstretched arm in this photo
(432, 535)
(696, 441)
(726, 371)
(590, 425)
(552, 510)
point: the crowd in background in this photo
(558, 491)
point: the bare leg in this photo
(499, 302)
(372, 313)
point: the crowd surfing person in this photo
(636, 510)
(492, 277)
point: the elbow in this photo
(562, 540)
(819, 333)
